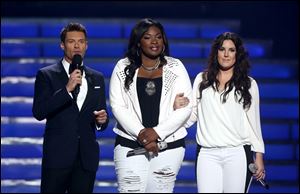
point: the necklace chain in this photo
(153, 67)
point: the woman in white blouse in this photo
(226, 105)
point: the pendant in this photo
(150, 88)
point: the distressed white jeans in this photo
(145, 174)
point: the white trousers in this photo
(222, 170)
(142, 173)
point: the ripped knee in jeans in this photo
(165, 179)
(130, 183)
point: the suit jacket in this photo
(126, 108)
(67, 128)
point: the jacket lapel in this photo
(62, 74)
(168, 80)
(132, 92)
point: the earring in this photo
(137, 53)
(163, 50)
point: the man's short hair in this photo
(72, 27)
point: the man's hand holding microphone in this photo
(74, 80)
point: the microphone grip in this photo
(263, 183)
(161, 145)
(77, 88)
(253, 168)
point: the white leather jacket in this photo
(126, 108)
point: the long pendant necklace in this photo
(150, 88)
(152, 68)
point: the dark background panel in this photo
(275, 20)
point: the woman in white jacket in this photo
(143, 88)
(226, 105)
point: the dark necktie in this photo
(71, 69)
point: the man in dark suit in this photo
(70, 150)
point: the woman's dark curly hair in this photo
(134, 51)
(239, 80)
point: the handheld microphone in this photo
(76, 63)
(161, 146)
(252, 167)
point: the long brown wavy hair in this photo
(239, 80)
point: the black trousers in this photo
(71, 180)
